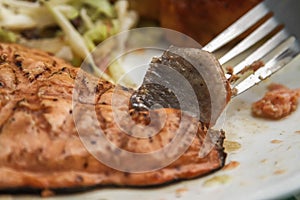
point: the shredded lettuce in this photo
(74, 39)
(20, 15)
(86, 19)
(7, 36)
(98, 33)
(81, 26)
(102, 7)
(68, 11)
(14, 21)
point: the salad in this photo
(69, 29)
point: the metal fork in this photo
(275, 52)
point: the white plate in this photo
(267, 169)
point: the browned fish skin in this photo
(39, 144)
(204, 75)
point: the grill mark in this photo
(37, 114)
(9, 116)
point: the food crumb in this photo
(217, 180)
(180, 191)
(279, 171)
(231, 146)
(276, 141)
(263, 160)
(47, 193)
(229, 69)
(231, 165)
(234, 92)
(277, 103)
(253, 67)
(247, 70)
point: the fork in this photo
(276, 51)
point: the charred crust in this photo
(18, 63)
(79, 179)
(3, 58)
(141, 117)
(150, 139)
(125, 88)
(85, 165)
(54, 63)
(219, 147)
(96, 89)
(150, 93)
(106, 173)
(126, 174)
(18, 59)
(93, 142)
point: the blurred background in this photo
(200, 19)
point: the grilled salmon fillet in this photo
(40, 145)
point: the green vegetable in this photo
(86, 19)
(102, 6)
(78, 27)
(68, 11)
(7, 36)
(97, 34)
(75, 39)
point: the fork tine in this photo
(240, 26)
(275, 60)
(261, 51)
(249, 41)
